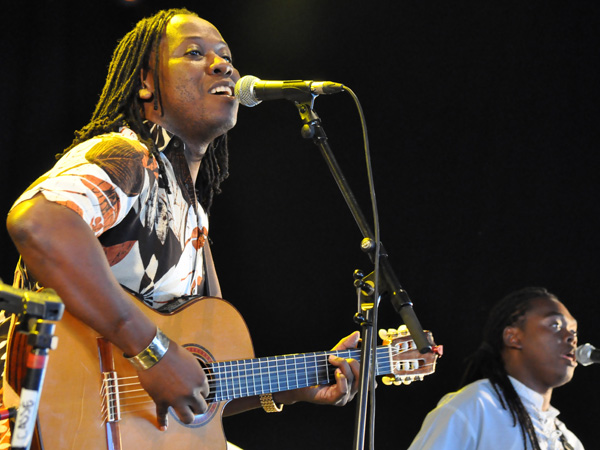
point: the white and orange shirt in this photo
(151, 225)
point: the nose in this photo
(220, 66)
(571, 336)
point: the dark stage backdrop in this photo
(483, 121)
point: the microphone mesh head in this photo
(583, 354)
(244, 91)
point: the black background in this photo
(482, 118)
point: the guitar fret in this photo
(296, 372)
(230, 380)
(264, 386)
(285, 373)
(214, 395)
(277, 374)
(305, 370)
(251, 379)
(258, 377)
(223, 383)
(270, 389)
(244, 378)
(315, 369)
(236, 376)
(246, 383)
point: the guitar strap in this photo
(212, 286)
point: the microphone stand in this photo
(401, 302)
(36, 309)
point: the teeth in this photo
(226, 89)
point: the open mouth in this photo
(570, 356)
(222, 90)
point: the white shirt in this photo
(474, 419)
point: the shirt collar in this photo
(160, 136)
(531, 397)
(171, 147)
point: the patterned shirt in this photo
(151, 225)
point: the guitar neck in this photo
(248, 377)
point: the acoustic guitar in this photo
(92, 398)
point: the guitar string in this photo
(251, 366)
(127, 406)
(217, 379)
(256, 365)
(125, 396)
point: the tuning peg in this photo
(388, 335)
(402, 330)
(397, 380)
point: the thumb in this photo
(162, 417)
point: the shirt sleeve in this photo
(100, 179)
(445, 428)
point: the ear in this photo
(512, 338)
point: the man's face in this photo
(547, 336)
(197, 80)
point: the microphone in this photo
(587, 354)
(250, 90)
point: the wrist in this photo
(287, 397)
(152, 354)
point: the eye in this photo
(556, 326)
(227, 58)
(194, 52)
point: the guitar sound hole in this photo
(205, 359)
(209, 377)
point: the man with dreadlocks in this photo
(528, 349)
(124, 212)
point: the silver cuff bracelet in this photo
(151, 354)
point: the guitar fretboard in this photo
(244, 378)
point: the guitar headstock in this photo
(407, 363)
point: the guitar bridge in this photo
(110, 396)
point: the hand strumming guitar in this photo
(178, 381)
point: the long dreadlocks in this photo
(119, 104)
(487, 361)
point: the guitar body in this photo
(92, 399)
(72, 411)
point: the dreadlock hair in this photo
(119, 104)
(487, 362)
